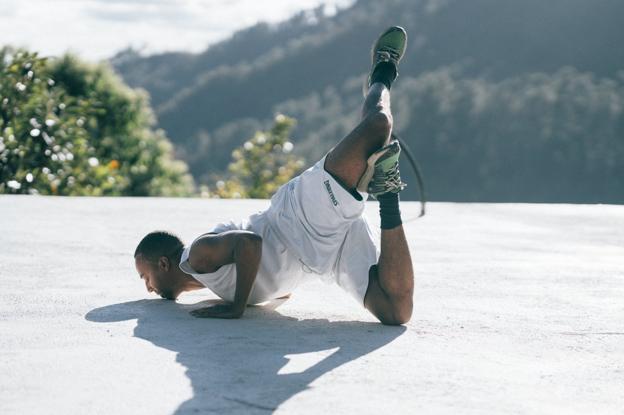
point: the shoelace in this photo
(387, 181)
(388, 54)
(393, 178)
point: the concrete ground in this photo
(519, 309)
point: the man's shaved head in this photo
(156, 259)
(158, 244)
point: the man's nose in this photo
(149, 289)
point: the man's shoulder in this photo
(211, 251)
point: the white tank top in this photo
(279, 273)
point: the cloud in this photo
(8, 9)
(139, 11)
(97, 29)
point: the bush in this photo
(261, 165)
(71, 128)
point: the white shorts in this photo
(322, 224)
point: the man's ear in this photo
(164, 263)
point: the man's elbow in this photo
(399, 314)
(253, 239)
(249, 243)
(257, 239)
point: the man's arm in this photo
(210, 252)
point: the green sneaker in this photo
(382, 173)
(389, 47)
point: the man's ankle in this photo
(384, 72)
(389, 210)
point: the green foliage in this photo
(262, 164)
(69, 128)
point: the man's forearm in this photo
(247, 255)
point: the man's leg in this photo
(391, 282)
(347, 160)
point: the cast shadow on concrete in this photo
(233, 365)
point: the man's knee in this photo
(389, 308)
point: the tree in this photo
(261, 165)
(70, 128)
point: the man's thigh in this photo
(347, 160)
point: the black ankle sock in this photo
(389, 210)
(385, 72)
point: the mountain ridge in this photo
(211, 102)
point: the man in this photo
(314, 225)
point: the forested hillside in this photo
(501, 100)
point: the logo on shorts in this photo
(331, 193)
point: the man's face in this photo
(158, 276)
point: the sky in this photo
(97, 29)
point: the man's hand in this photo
(223, 310)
